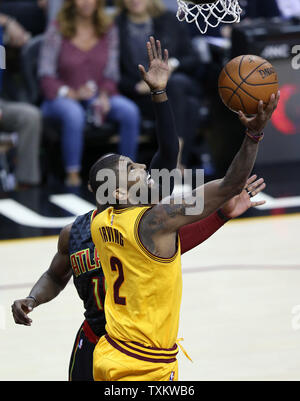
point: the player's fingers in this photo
(20, 316)
(271, 106)
(22, 320)
(149, 51)
(250, 180)
(243, 118)
(258, 190)
(142, 70)
(260, 107)
(256, 204)
(166, 56)
(255, 184)
(153, 45)
(277, 99)
(159, 52)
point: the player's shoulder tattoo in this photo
(156, 220)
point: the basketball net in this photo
(226, 11)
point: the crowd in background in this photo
(86, 70)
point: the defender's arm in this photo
(195, 234)
(157, 78)
(51, 283)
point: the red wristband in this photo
(255, 138)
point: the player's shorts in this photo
(119, 361)
(81, 362)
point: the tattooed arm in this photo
(160, 224)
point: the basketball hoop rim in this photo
(221, 11)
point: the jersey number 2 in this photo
(116, 265)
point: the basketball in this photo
(246, 80)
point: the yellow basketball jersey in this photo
(144, 291)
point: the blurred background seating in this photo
(196, 60)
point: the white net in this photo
(205, 15)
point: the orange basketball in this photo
(245, 81)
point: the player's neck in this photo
(126, 206)
(120, 207)
(101, 208)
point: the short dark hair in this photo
(108, 161)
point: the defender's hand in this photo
(159, 72)
(257, 124)
(20, 310)
(241, 203)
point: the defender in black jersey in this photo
(90, 285)
(77, 256)
(87, 274)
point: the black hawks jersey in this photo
(87, 272)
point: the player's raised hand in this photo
(256, 124)
(20, 310)
(158, 74)
(241, 203)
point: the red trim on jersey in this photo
(174, 348)
(94, 214)
(146, 352)
(90, 335)
(140, 357)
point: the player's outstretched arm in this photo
(51, 283)
(168, 218)
(157, 78)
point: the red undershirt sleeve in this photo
(195, 234)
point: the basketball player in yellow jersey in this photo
(139, 249)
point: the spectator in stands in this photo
(28, 13)
(261, 9)
(53, 7)
(14, 34)
(79, 65)
(289, 8)
(171, 5)
(137, 20)
(21, 118)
